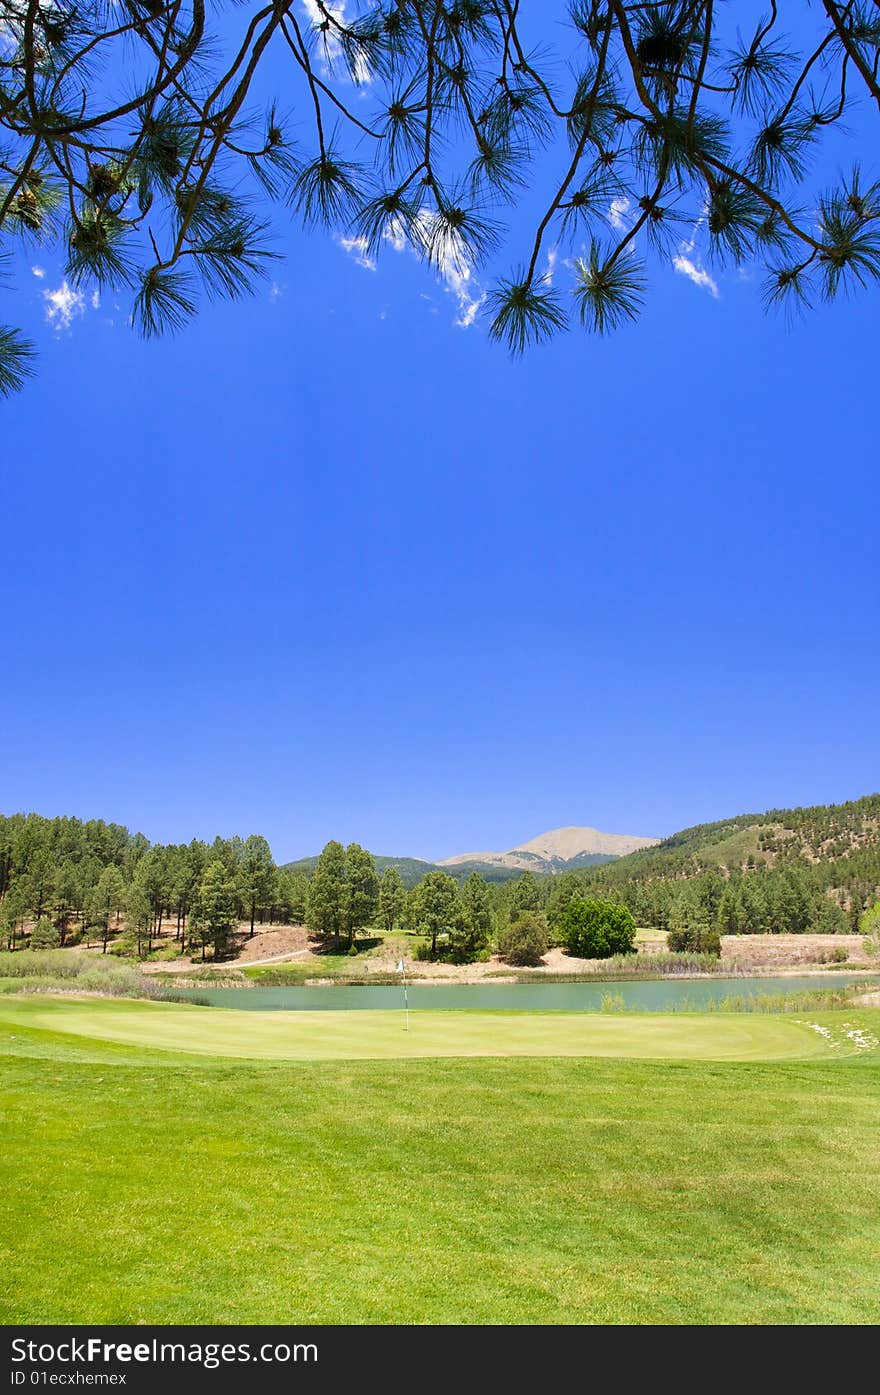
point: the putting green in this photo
(379, 1035)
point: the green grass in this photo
(155, 1185)
(380, 1035)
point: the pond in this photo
(642, 995)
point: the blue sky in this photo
(331, 565)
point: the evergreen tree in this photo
(728, 910)
(156, 181)
(327, 909)
(15, 909)
(214, 916)
(754, 909)
(828, 918)
(789, 902)
(139, 920)
(435, 905)
(392, 899)
(525, 895)
(363, 889)
(256, 872)
(568, 887)
(45, 935)
(107, 901)
(473, 927)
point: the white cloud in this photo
(468, 293)
(96, 300)
(685, 267)
(552, 258)
(330, 46)
(357, 247)
(618, 210)
(451, 261)
(395, 234)
(38, 272)
(63, 305)
(275, 291)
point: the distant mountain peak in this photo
(551, 851)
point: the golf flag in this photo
(401, 969)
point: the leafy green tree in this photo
(327, 909)
(256, 873)
(525, 940)
(869, 925)
(156, 180)
(392, 899)
(594, 929)
(363, 890)
(214, 915)
(45, 935)
(435, 905)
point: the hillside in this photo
(815, 834)
(827, 855)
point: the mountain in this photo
(559, 850)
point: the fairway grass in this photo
(171, 1185)
(379, 1035)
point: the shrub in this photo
(695, 939)
(165, 955)
(593, 929)
(525, 940)
(44, 935)
(47, 971)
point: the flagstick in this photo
(405, 1000)
(401, 969)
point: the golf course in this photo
(169, 1162)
